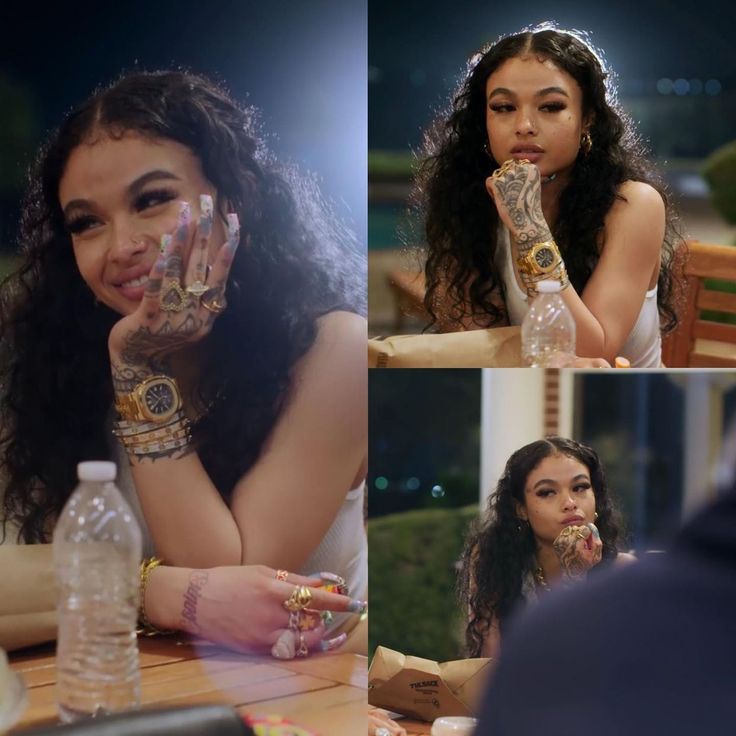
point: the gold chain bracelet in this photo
(145, 627)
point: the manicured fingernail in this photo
(327, 617)
(332, 578)
(165, 242)
(357, 606)
(327, 645)
(185, 214)
(205, 215)
(233, 231)
(160, 262)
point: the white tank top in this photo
(643, 346)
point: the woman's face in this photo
(558, 493)
(119, 196)
(534, 110)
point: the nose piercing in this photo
(137, 240)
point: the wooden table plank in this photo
(192, 673)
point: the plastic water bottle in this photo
(548, 330)
(97, 552)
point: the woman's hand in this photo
(579, 548)
(379, 719)
(517, 193)
(241, 607)
(181, 300)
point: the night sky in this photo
(417, 49)
(302, 63)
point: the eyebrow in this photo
(579, 476)
(541, 93)
(133, 188)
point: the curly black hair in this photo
(460, 220)
(500, 551)
(298, 263)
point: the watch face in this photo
(545, 258)
(160, 399)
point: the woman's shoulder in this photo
(343, 324)
(639, 195)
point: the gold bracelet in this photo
(145, 627)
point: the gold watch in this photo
(541, 259)
(155, 399)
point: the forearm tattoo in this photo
(197, 581)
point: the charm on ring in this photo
(282, 575)
(174, 299)
(197, 289)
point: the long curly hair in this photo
(501, 549)
(297, 263)
(460, 220)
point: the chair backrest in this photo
(700, 341)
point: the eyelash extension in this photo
(153, 197)
(80, 224)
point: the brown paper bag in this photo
(424, 689)
(497, 347)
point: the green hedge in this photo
(719, 171)
(412, 574)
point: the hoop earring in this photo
(595, 516)
(586, 143)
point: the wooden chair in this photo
(699, 342)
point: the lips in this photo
(573, 520)
(527, 148)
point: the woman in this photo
(174, 271)
(549, 522)
(537, 175)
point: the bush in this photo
(719, 171)
(412, 576)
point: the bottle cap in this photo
(99, 470)
(549, 287)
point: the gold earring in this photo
(586, 143)
(595, 516)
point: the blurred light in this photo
(418, 77)
(381, 483)
(681, 86)
(664, 86)
(412, 484)
(712, 87)
(375, 75)
(696, 87)
(438, 491)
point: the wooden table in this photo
(323, 692)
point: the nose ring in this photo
(137, 241)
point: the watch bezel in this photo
(145, 386)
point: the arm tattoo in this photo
(197, 581)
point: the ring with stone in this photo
(299, 598)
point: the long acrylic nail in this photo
(356, 606)
(233, 231)
(327, 645)
(165, 243)
(205, 215)
(185, 214)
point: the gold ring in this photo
(197, 288)
(498, 173)
(174, 299)
(299, 598)
(210, 302)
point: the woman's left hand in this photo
(579, 548)
(517, 193)
(181, 300)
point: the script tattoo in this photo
(197, 581)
